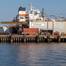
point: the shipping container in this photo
(30, 31)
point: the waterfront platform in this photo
(15, 38)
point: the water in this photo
(53, 54)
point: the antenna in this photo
(21, 2)
(30, 6)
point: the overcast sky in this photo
(9, 8)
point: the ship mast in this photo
(42, 14)
(21, 3)
(30, 6)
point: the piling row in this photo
(17, 38)
(5, 38)
(28, 38)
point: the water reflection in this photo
(52, 54)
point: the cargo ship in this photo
(34, 25)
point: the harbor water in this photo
(31, 54)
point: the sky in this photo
(9, 8)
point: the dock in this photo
(15, 38)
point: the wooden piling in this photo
(29, 38)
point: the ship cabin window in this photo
(35, 13)
(22, 9)
(31, 12)
(21, 17)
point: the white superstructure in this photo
(36, 21)
(34, 14)
(22, 14)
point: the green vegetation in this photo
(7, 22)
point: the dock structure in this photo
(17, 38)
(29, 38)
(63, 38)
(5, 38)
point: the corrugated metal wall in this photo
(55, 26)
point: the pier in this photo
(29, 38)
